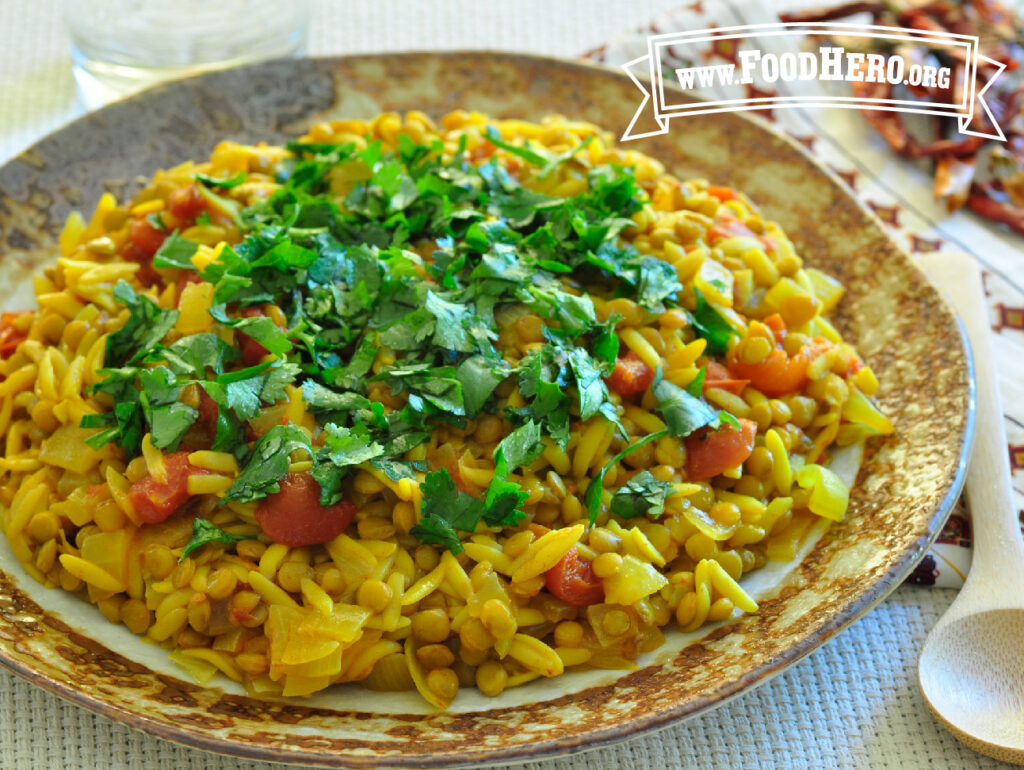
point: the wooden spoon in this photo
(971, 669)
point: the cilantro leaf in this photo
(725, 418)
(268, 463)
(592, 497)
(167, 424)
(503, 500)
(682, 412)
(445, 510)
(343, 448)
(195, 354)
(437, 386)
(205, 532)
(589, 383)
(642, 494)
(520, 447)
(260, 328)
(348, 446)
(543, 379)
(319, 398)
(658, 281)
(225, 184)
(548, 162)
(175, 251)
(399, 469)
(436, 530)
(606, 342)
(710, 325)
(696, 386)
(479, 377)
(274, 381)
(243, 397)
(168, 418)
(147, 325)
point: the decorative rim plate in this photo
(907, 483)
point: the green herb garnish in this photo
(353, 276)
(204, 533)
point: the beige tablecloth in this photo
(853, 703)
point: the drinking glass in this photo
(121, 46)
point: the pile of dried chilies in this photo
(986, 175)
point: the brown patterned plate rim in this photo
(868, 598)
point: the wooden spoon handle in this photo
(998, 548)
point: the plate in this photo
(891, 313)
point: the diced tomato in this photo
(252, 351)
(727, 227)
(294, 516)
(147, 237)
(717, 376)
(10, 337)
(208, 413)
(573, 581)
(780, 373)
(631, 376)
(186, 203)
(146, 274)
(769, 243)
(154, 501)
(722, 193)
(709, 451)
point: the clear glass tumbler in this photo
(121, 46)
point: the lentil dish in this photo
(422, 407)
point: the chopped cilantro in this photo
(226, 184)
(592, 497)
(547, 161)
(393, 290)
(641, 495)
(147, 325)
(682, 412)
(446, 510)
(520, 447)
(710, 325)
(269, 463)
(205, 532)
(175, 251)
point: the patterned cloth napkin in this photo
(900, 194)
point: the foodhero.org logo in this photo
(775, 55)
(829, 63)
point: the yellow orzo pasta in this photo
(423, 406)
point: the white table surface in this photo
(853, 703)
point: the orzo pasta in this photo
(422, 406)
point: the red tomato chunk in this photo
(154, 501)
(717, 376)
(146, 237)
(208, 413)
(709, 452)
(631, 376)
(186, 203)
(573, 581)
(294, 516)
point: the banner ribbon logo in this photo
(871, 75)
